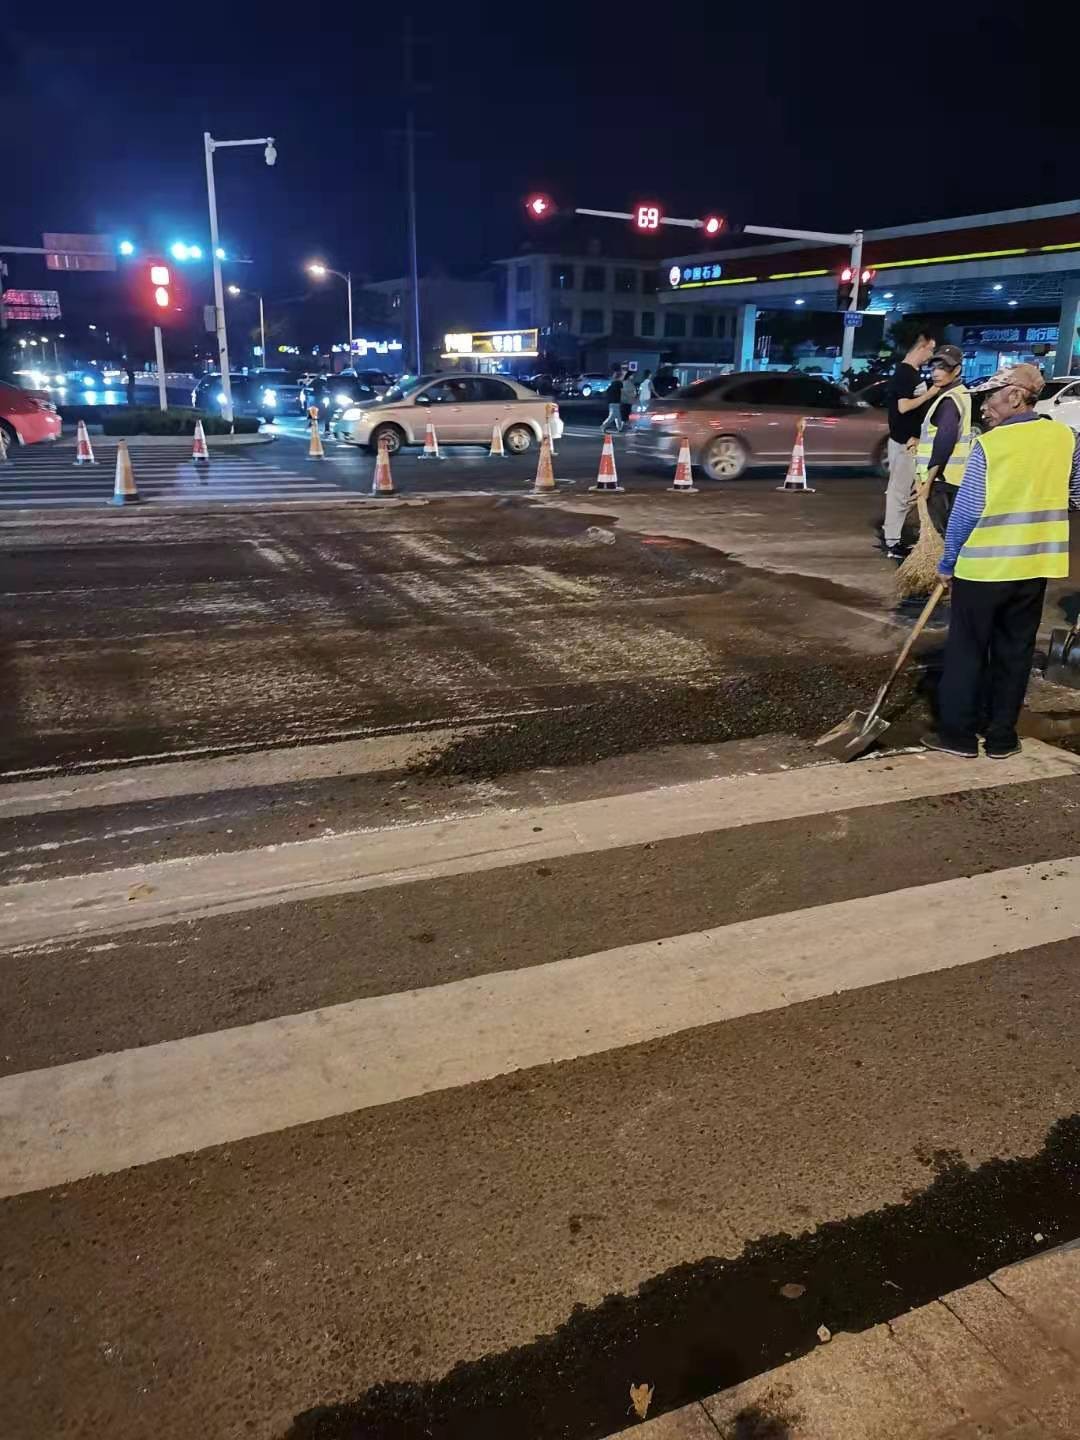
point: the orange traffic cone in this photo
(549, 411)
(383, 483)
(84, 454)
(198, 449)
(796, 475)
(431, 444)
(496, 452)
(607, 478)
(684, 475)
(124, 492)
(315, 450)
(545, 475)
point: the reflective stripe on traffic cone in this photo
(545, 475)
(198, 449)
(684, 475)
(607, 478)
(497, 452)
(431, 444)
(796, 475)
(124, 492)
(549, 411)
(315, 450)
(383, 483)
(84, 454)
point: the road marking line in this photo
(190, 886)
(129, 1108)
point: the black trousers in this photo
(992, 629)
(939, 503)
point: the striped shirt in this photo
(970, 500)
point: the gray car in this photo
(735, 422)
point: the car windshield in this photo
(405, 386)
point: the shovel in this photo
(862, 727)
(1063, 656)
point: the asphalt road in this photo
(442, 985)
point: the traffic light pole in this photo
(853, 238)
(159, 353)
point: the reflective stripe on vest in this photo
(954, 467)
(1024, 530)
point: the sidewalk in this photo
(998, 1360)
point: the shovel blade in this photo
(1063, 662)
(852, 736)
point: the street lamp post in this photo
(319, 269)
(235, 290)
(270, 155)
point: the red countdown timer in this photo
(647, 217)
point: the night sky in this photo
(768, 112)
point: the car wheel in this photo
(880, 461)
(11, 439)
(725, 458)
(392, 434)
(518, 439)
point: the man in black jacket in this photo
(613, 396)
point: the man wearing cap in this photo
(1008, 533)
(945, 438)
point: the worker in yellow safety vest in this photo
(945, 438)
(1008, 534)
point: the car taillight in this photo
(659, 415)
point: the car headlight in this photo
(354, 412)
(89, 381)
(342, 399)
(269, 396)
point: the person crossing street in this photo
(1008, 533)
(613, 396)
(945, 438)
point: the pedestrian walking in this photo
(628, 397)
(645, 390)
(1008, 533)
(908, 398)
(945, 437)
(613, 396)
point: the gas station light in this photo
(999, 286)
(220, 253)
(194, 253)
(126, 247)
(800, 302)
(178, 250)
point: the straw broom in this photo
(919, 573)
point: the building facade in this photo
(447, 305)
(592, 311)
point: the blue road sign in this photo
(852, 318)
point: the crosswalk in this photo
(47, 477)
(413, 1094)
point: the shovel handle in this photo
(916, 631)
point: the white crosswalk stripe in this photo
(49, 478)
(131, 1107)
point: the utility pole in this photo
(855, 240)
(410, 181)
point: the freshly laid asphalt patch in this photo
(703, 1327)
(782, 697)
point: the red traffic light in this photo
(867, 275)
(539, 207)
(647, 217)
(845, 274)
(714, 224)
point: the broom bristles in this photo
(919, 573)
